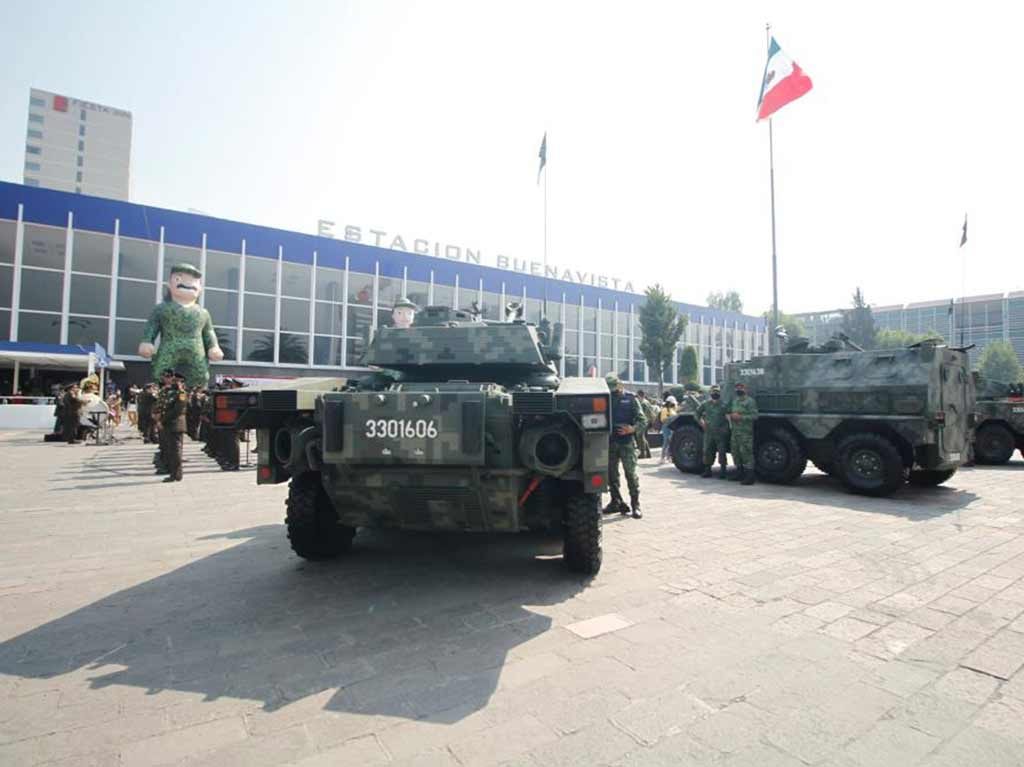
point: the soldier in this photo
(627, 419)
(72, 412)
(156, 422)
(742, 415)
(713, 417)
(643, 449)
(194, 409)
(173, 416)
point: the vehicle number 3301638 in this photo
(401, 428)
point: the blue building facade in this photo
(81, 270)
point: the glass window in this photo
(491, 307)
(78, 176)
(572, 316)
(33, 149)
(79, 161)
(328, 318)
(572, 366)
(606, 367)
(44, 246)
(534, 309)
(444, 295)
(257, 346)
(34, 118)
(31, 165)
(41, 290)
(607, 320)
(294, 315)
(81, 130)
(87, 330)
(260, 274)
(128, 334)
(259, 312)
(293, 349)
(31, 181)
(606, 346)
(383, 318)
(326, 350)
(417, 293)
(226, 338)
(6, 284)
(81, 145)
(359, 319)
(572, 343)
(5, 324)
(590, 344)
(589, 318)
(135, 299)
(92, 252)
(90, 295)
(330, 284)
(8, 232)
(638, 372)
(360, 288)
(295, 279)
(222, 306)
(177, 254)
(355, 348)
(137, 258)
(83, 115)
(390, 290)
(36, 101)
(39, 328)
(221, 270)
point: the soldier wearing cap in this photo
(627, 419)
(403, 314)
(742, 414)
(713, 417)
(173, 412)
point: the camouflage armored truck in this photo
(873, 419)
(462, 424)
(1000, 428)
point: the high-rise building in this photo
(77, 146)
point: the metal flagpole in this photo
(545, 309)
(771, 171)
(963, 283)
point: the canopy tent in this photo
(56, 356)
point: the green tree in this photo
(859, 323)
(662, 327)
(901, 339)
(999, 363)
(727, 302)
(689, 370)
(793, 325)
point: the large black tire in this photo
(581, 546)
(930, 477)
(870, 464)
(313, 526)
(688, 449)
(778, 456)
(994, 444)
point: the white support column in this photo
(375, 301)
(480, 294)
(561, 349)
(115, 263)
(501, 309)
(19, 242)
(65, 302)
(344, 317)
(241, 296)
(160, 268)
(202, 268)
(277, 305)
(430, 289)
(713, 348)
(615, 337)
(312, 310)
(405, 281)
(455, 293)
(632, 341)
(579, 337)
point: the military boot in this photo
(748, 477)
(706, 473)
(723, 472)
(634, 503)
(616, 504)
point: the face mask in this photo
(716, 396)
(741, 394)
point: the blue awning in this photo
(62, 356)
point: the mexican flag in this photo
(783, 81)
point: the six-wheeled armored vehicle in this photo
(874, 419)
(1000, 428)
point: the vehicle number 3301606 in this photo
(401, 428)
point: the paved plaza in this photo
(144, 623)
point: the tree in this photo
(901, 339)
(662, 327)
(859, 323)
(794, 326)
(999, 363)
(727, 302)
(689, 370)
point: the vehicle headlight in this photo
(594, 421)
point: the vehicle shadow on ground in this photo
(819, 489)
(406, 625)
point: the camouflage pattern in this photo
(186, 335)
(472, 343)
(741, 441)
(716, 434)
(1000, 408)
(626, 454)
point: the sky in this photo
(425, 118)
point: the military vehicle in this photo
(461, 424)
(873, 419)
(1000, 427)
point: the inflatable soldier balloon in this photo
(187, 339)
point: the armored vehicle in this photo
(1000, 428)
(461, 424)
(873, 419)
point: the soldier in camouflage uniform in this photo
(643, 448)
(156, 421)
(742, 414)
(713, 417)
(627, 419)
(173, 416)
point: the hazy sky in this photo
(424, 119)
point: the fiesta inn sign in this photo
(382, 239)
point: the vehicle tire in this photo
(870, 464)
(825, 468)
(993, 444)
(581, 546)
(778, 456)
(688, 449)
(313, 526)
(930, 477)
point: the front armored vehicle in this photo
(461, 424)
(1000, 428)
(873, 419)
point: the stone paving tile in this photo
(158, 624)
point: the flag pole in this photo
(774, 341)
(963, 283)
(545, 230)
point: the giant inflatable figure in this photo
(187, 339)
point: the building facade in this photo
(978, 320)
(77, 146)
(80, 270)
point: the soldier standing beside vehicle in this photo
(173, 417)
(742, 414)
(713, 417)
(627, 419)
(643, 449)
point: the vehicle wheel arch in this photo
(860, 426)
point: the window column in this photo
(312, 310)
(455, 293)
(277, 304)
(375, 299)
(561, 345)
(344, 316)
(65, 301)
(115, 264)
(241, 291)
(202, 268)
(430, 290)
(160, 277)
(19, 241)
